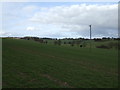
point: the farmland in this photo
(30, 64)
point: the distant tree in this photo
(103, 46)
(72, 43)
(108, 38)
(113, 45)
(59, 42)
(97, 39)
(55, 42)
(46, 42)
(104, 38)
(38, 39)
(69, 42)
(81, 45)
(116, 38)
(65, 43)
(84, 44)
(26, 38)
(78, 42)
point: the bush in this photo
(113, 45)
(80, 45)
(109, 45)
(65, 42)
(103, 46)
(58, 42)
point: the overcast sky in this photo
(59, 19)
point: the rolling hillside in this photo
(29, 64)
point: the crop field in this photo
(30, 64)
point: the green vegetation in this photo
(30, 64)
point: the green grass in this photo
(29, 64)
(86, 43)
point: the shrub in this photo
(80, 45)
(113, 45)
(103, 46)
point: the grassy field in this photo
(86, 43)
(29, 64)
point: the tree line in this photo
(81, 42)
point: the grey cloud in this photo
(76, 18)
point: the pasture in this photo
(29, 64)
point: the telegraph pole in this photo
(90, 36)
(90, 31)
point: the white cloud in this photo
(76, 18)
(30, 28)
(60, 21)
(3, 33)
(59, 0)
(14, 0)
(29, 8)
(78, 14)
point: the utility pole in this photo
(90, 31)
(90, 36)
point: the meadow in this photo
(30, 64)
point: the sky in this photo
(59, 19)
